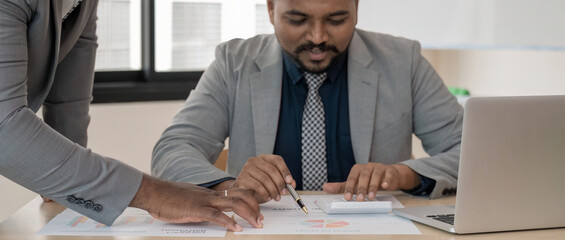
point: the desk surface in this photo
(29, 219)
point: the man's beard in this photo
(308, 47)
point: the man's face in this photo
(313, 32)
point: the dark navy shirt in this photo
(334, 96)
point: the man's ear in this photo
(271, 10)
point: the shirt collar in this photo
(296, 72)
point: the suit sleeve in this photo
(188, 148)
(437, 121)
(41, 159)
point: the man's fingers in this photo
(283, 177)
(275, 174)
(268, 189)
(46, 199)
(334, 187)
(216, 216)
(256, 222)
(363, 183)
(269, 175)
(374, 185)
(251, 184)
(283, 169)
(351, 183)
(240, 208)
(247, 198)
(253, 181)
(389, 180)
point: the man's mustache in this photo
(309, 46)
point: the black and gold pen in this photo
(296, 197)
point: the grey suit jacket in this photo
(393, 92)
(46, 62)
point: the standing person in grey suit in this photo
(376, 91)
(47, 52)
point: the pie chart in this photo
(324, 223)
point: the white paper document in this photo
(132, 222)
(286, 217)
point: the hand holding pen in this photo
(265, 175)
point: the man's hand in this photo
(46, 199)
(265, 175)
(367, 179)
(183, 203)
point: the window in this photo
(119, 31)
(188, 40)
(157, 50)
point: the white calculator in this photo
(342, 206)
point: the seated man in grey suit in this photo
(350, 135)
(47, 52)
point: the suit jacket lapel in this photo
(362, 84)
(266, 86)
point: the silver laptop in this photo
(511, 171)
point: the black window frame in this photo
(145, 84)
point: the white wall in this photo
(469, 24)
(128, 131)
(503, 72)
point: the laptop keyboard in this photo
(446, 218)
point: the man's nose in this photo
(318, 33)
